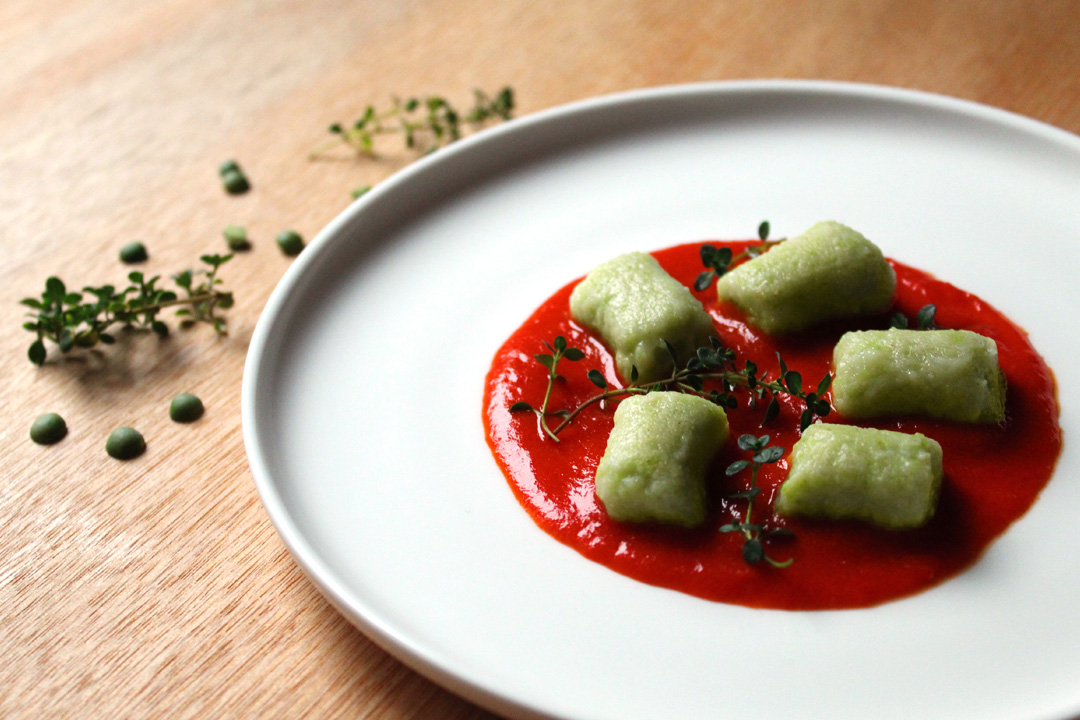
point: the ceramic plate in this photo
(362, 402)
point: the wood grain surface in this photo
(157, 587)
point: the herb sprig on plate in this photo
(754, 534)
(712, 362)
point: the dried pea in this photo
(236, 238)
(186, 408)
(125, 443)
(290, 242)
(48, 429)
(133, 252)
(235, 182)
(233, 178)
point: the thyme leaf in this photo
(924, 319)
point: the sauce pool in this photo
(993, 474)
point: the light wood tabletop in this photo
(157, 587)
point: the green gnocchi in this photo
(830, 271)
(634, 305)
(653, 468)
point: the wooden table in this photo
(157, 587)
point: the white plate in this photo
(362, 402)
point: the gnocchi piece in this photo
(653, 469)
(950, 374)
(634, 305)
(830, 271)
(887, 478)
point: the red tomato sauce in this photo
(992, 474)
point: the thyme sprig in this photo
(719, 261)
(559, 350)
(712, 362)
(64, 319)
(754, 534)
(428, 123)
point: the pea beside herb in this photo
(48, 429)
(125, 443)
(133, 252)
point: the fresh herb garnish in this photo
(719, 260)
(425, 123)
(712, 362)
(559, 350)
(63, 318)
(924, 319)
(754, 534)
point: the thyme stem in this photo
(591, 401)
(543, 414)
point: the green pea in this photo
(236, 238)
(235, 182)
(48, 429)
(361, 192)
(125, 443)
(186, 408)
(133, 252)
(228, 166)
(290, 242)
